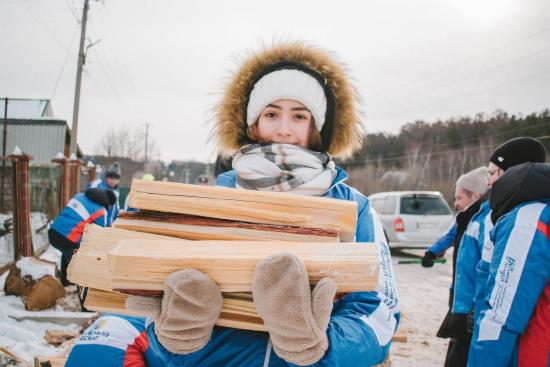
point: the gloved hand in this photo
(455, 326)
(296, 318)
(428, 259)
(186, 314)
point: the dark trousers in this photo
(67, 249)
(457, 352)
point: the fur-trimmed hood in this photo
(346, 133)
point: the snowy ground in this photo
(423, 294)
(22, 331)
(423, 297)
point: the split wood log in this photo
(141, 266)
(192, 227)
(400, 336)
(58, 337)
(246, 205)
(238, 309)
(45, 361)
(89, 266)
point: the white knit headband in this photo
(288, 84)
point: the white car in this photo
(412, 219)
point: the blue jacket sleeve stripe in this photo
(509, 272)
(79, 208)
(487, 251)
(445, 241)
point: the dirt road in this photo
(423, 294)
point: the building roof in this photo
(19, 108)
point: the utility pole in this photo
(4, 140)
(81, 61)
(146, 139)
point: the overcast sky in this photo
(164, 62)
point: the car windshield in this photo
(423, 205)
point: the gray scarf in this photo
(284, 167)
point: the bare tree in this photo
(128, 143)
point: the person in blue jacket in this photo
(468, 189)
(110, 181)
(519, 272)
(66, 231)
(287, 111)
(476, 249)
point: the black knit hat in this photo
(98, 196)
(113, 171)
(517, 151)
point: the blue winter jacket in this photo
(469, 255)
(79, 211)
(445, 241)
(519, 271)
(482, 268)
(114, 210)
(360, 329)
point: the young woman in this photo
(285, 114)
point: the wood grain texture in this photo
(238, 308)
(246, 205)
(89, 266)
(199, 228)
(143, 264)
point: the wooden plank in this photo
(45, 361)
(237, 312)
(246, 205)
(58, 337)
(200, 228)
(89, 266)
(144, 264)
(400, 336)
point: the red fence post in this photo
(74, 176)
(21, 204)
(91, 172)
(64, 195)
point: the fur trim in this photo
(230, 128)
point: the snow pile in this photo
(39, 230)
(52, 255)
(25, 338)
(6, 242)
(36, 271)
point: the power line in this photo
(38, 17)
(467, 60)
(478, 73)
(474, 92)
(72, 10)
(64, 64)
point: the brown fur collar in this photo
(229, 130)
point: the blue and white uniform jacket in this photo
(114, 210)
(445, 241)
(519, 271)
(475, 247)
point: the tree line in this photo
(431, 156)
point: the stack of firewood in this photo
(230, 231)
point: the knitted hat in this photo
(288, 84)
(517, 151)
(113, 171)
(296, 71)
(105, 198)
(474, 181)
